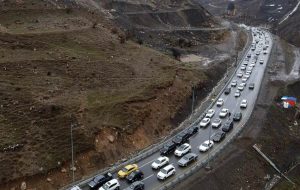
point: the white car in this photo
(252, 65)
(205, 122)
(220, 102)
(160, 162)
(243, 68)
(210, 113)
(245, 63)
(244, 79)
(234, 83)
(183, 149)
(223, 112)
(257, 53)
(237, 93)
(248, 72)
(243, 104)
(216, 123)
(241, 87)
(111, 185)
(261, 61)
(240, 74)
(76, 188)
(246, 76)
(166, 172)
(249, 68)
(206, 145)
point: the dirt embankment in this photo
(182, 25)
(68, 67)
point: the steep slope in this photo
(289, 29)
(64, 66)
(165, 24)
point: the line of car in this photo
(179, 145)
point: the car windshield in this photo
(163, 171)
(169, 144)
(124, 170)
(181, 148)
(186, 157)
(205, 144)
(157, 161)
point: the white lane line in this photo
(148, 177)
(147, 163)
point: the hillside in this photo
(289, 29)
(66, 66)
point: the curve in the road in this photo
(230, 102)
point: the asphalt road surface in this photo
(230, 102)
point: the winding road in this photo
(230, 102)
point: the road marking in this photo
(147, 163)
(148, 177)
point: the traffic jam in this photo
(185, 149)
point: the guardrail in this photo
(215, 152)
(137, 156)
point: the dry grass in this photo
(56, 76)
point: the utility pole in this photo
(236, 58)
(193, 98)
(72, 147)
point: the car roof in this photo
(162, 157)
(219, 132)
(168, 167)
(190, 154)
(112, 181)
(129, 166)
(169, 144)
